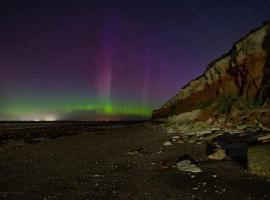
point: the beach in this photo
(123, 162)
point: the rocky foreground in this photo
(140, 161)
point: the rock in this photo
(259, 160)
(264, 138)
(214, 176)
(183, 118)
(170, 131)
(175, 138)
(220, 154)
(135, 152)
(214, 129)
(167, 143)
(263, 127)
(188, 166)
(190, 134)
(244, 126)
(202, 133)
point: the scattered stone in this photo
(170, 131)
(264, 138)
(220, 154)
(263, 127)
(135, 152)
(213, 129)
(167, 143)
(175, 137)
(188, 166)
(190, 134)
(245, 126)
(202, 133)
(214, 176)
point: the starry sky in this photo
(110, 60)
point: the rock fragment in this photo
(188, 166)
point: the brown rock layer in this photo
(243, 72)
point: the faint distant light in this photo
(50, 118)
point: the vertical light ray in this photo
(104, 76)
(146, 78)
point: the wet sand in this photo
(96, 165)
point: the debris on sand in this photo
(219, 154)
(135, 152)
(187, 164)
(167, 143)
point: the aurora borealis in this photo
(110, 60)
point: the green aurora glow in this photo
(24, 109)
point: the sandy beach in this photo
(119, 163)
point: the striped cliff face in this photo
(244, 71)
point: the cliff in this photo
(243, 72)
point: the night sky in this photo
(110, 60)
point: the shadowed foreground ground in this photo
(96, 165)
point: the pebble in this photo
(188, 166)
(167, 143)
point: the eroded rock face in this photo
(244, 72)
